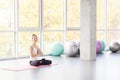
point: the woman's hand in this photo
(39, 52)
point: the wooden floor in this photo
(106, 67)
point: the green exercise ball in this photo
(56, 49)
(103, 46)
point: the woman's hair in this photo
(34, 35)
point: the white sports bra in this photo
(35, 52)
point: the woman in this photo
(35, 52)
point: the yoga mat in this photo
(21, 68)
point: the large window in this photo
(51, 20)
(113, 14)
(6, 28)
(6, 44)
(6, 15)
(28, 13)
(52, 14)
(73, 13)
(19, 19)
(108, 20)
(113, 21)
(100, 19)
(100, 15)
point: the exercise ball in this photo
(56, 49)
(71, 49)
(78, 44)
(103, 45)
(98, 46)
(114, 47)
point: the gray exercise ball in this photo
(114, 47)
(71, 49)
(78, 44)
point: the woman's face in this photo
(35, 38)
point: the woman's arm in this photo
(31, 52)
(39, 52)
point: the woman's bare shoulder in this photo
(31, 46)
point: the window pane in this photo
(50, 37)
(28, 13)
(100, 35)
(24, 42)
(73, 12)
(6, 14)
(100, 14)
(73, 35)
(6, 44)
(52, 14)
(113, 36)
(113, 14)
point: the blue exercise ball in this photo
(56, 49)
(103, 45)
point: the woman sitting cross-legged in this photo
(35, 52)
